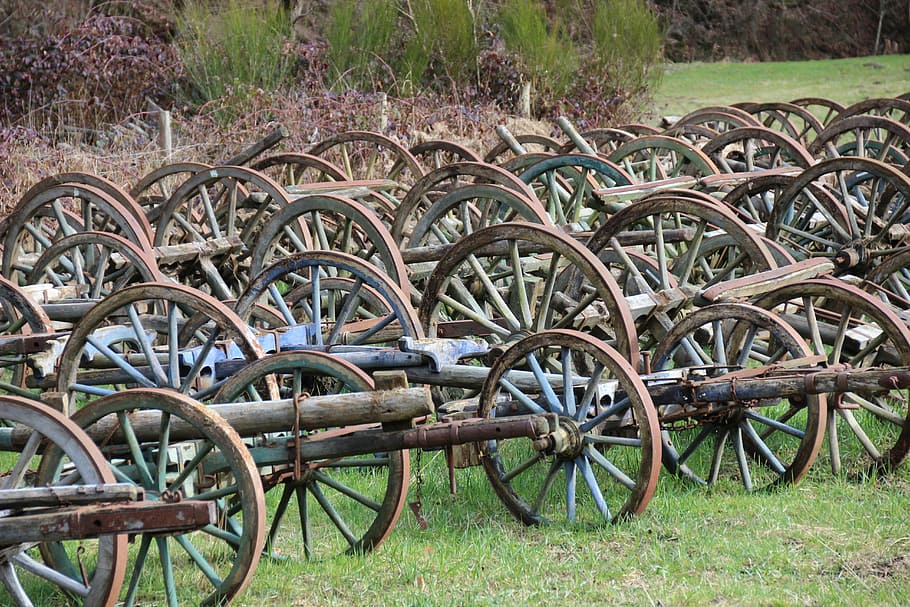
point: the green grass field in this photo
(826, 541)
(686, 87)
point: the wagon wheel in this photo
(347, 504)
(98, 263)
(155, 188)
(888, 107)
(292, 170)
(38, 221)
(793, 120)
(638, 129)
(693, 134)
(511, 279)
(871, 199)
(823, 109)
(438, 153)
(49, 435)
(368, 155)
(219, 203)
(891, 280)
(439, 182)
(653, 157)
(114, 191)
(152, 335)
(865, 433)
(466, 209)
(873, 137)
(502, 152)
(756, 148)
(720, 118)
(21, 316)
(604, 140)
(567, 185)
(328, 223)
(677, 230)
(767, 442)
(175, 448)
(754, 198)
(333, 298)
(607, 467)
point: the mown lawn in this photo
(686, 87)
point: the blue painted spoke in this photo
(347, 309)
(700, 438)
(198, 364)
(282, 306)
(776, 424)
(173, 343)
(376, 328)
(146, 346)
(523, 398)
(144, 545)
(91, 390)
(348, 491)
(120, 361)
(588, 474)
(763, 449)
(547, 485)
(571, 481)
(135, 449)
(595, 421)
(544, 383)
(612, 469)
(317, 304)
(333, 514)
(587, 399)
(568, 386)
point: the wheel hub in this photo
(567, 439)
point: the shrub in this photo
(98, 72)
(627, 43)
(360, 37)
(242, 46)
(547, 52)
(445, 33)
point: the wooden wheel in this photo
(344, 505)
(332, 298)
(46, 215)
(766, 443)
(606, 465)
(98, 263)
(176, 448)
(328, 223)
(221, 202)
(155, 188)
(756, 148)
(866, 434)
(512, 279)
(68, 458)
(566, 185)
(152, 335)
(653, 157)
(873, 137)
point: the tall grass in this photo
(241, 45)
(361, 36)
(446, 30)
(547, 53)
(627, 43)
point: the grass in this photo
(686, 87)
(824, 542)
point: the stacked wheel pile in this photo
(727, 297)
